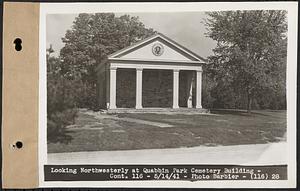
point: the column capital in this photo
(199, 70)
(176, 70)
(139, 69)
(113, 68)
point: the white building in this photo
(153, 73)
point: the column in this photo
(198, 88)
(139, 82)
(189, 86)
(175, 88)
(112, 88)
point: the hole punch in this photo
(18, 144)
(18, 44)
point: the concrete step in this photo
(157, 110)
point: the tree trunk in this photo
(249, 103)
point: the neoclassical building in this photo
(156, 72)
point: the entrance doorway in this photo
(157, 88)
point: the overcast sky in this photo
(185, 28)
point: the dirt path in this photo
(254, 154)
(101, 116)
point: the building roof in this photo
(154, 37)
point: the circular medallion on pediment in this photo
(157, 49)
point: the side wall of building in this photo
(101, 88)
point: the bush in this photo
(57, 123)
(61, 101)
(87, 97)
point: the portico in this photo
(161, 56)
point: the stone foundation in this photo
(184, 111)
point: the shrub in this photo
(61, 101)
(57, 123)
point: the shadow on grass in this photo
(62, 136)
(236, 112)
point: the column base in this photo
(198, 106)
(189, 104)
(138, 107)
(175, 107)
(111, 106)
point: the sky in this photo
(186, 28)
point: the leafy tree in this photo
(92, 38)
(250, 56)
(61, 96)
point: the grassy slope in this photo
(223, 128)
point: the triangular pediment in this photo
(157, 47)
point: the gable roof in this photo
(154, 37)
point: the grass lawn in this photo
(98, 132)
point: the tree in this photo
(92, 38)
(250, 56)
(61, 96)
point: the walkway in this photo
(254, 154)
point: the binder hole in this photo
(19, 144)
(18, 44)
